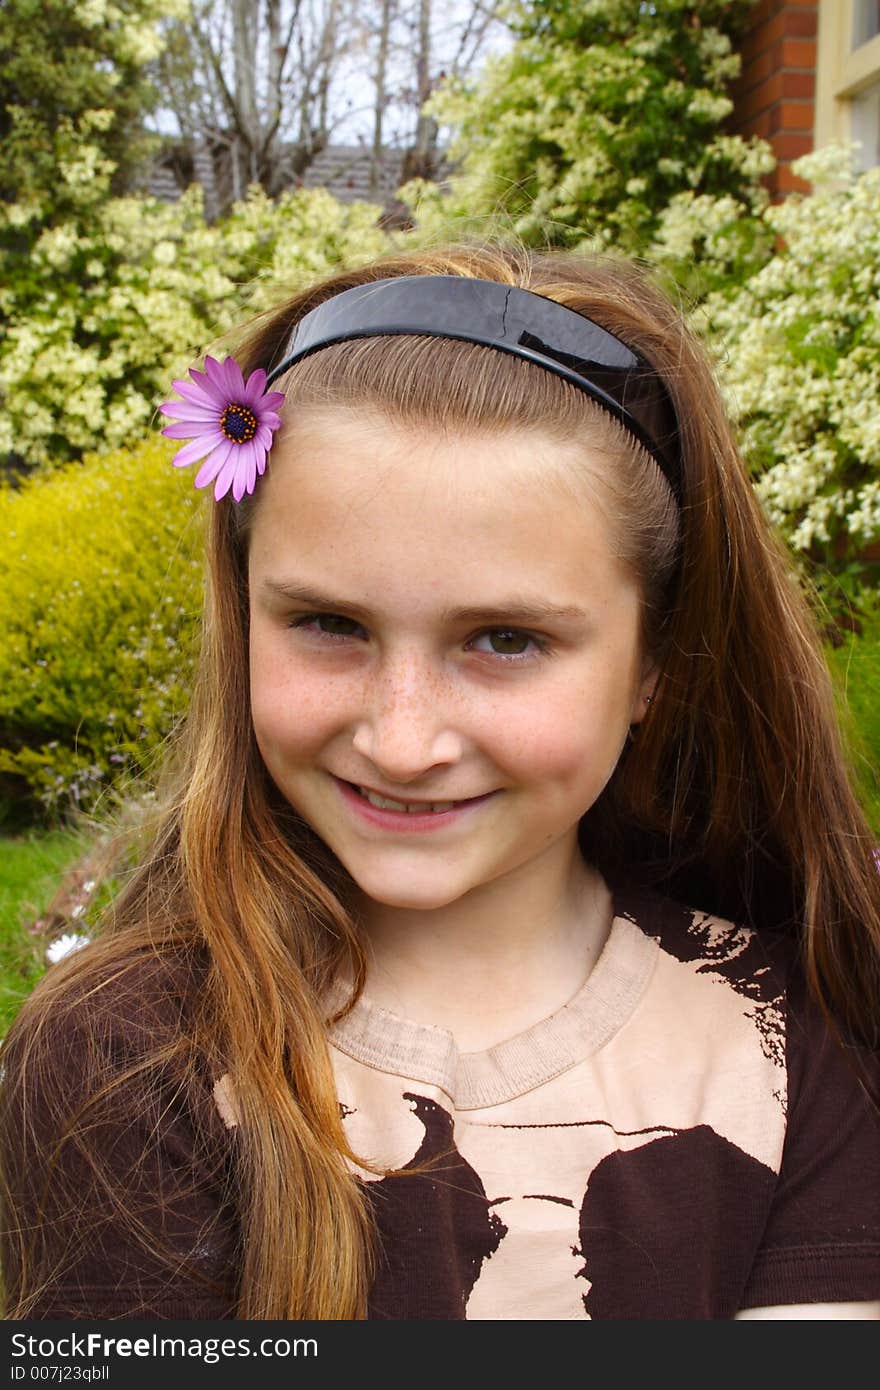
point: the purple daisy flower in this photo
(229, 421)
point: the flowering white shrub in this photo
(798, 345)
(597, 117)
(121, 299)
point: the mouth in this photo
(388, 803)
(389, 813)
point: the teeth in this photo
(389, 805)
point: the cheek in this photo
(538, 744)
(568, 739)
(291, 712)
(575, 740)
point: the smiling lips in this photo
(390, 803)
(411, 807)
(389, 812)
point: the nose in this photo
(405, 730)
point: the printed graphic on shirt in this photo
(607, 1190)
(736, 956)
(439, 1228)
(591, 1247)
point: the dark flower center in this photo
(238, 423)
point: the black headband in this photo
(513, 320)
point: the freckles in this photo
(292, 710)
(297, 710)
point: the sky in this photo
(352, 94)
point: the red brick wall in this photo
(774, 94)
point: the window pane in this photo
(866, 21)
(866, 125)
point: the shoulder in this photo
(693, 934)
(701, 947)
(710, 1029)
(794, 1094)
(111, 1147)
(762, 970)
(128, 996)
(104, 1065)
(112, 1033)
(733, 988)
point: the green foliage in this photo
(601, 115)
(30, 870)
(61, 65)
(100, 594)
(111, 306)
(798, 345)
(854, 663)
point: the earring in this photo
(629, 733)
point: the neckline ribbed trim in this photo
(422, 1052)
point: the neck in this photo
(498, 959)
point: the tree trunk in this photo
(376, 160)
(420, 161)
(245, 27)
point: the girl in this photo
(509, 944)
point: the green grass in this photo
(30, 870)
(855, 668)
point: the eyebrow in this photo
(512, 609)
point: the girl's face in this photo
(438, 619)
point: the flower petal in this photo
(232, 375)
(239, 482)
(197, 450)
(185, 429)
(272, 400)
(212, 368)
(263, 437)
(268, 417)
(226, 477)
(182, 410)
(252, 468)
(219, 386)
(212, 465)
(222, 381)
(197, 394)
(253, 391)
(247, 463)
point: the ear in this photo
(644, 694)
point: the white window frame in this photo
(842, 71)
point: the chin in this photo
(418, 897)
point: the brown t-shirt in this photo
(681, 1140)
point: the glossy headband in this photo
(513, 320)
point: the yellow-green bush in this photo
(100, 592)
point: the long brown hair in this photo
(735, 795)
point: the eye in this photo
(511, 636)
(325, 618)
(503, 636)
